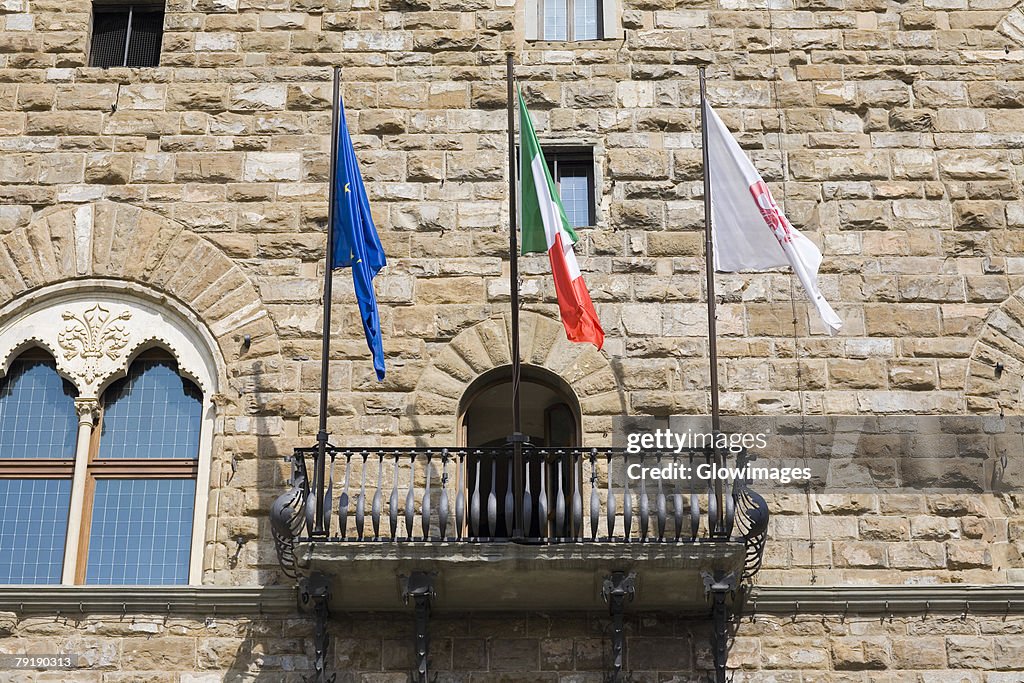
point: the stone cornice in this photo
(229, 601)
(206, 601)
(885, 600)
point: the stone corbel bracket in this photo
(94, 336)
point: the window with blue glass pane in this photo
(152, 413)
(141, 532)
(575, 199)
(572, 169)
(34, 529)
(37, 411)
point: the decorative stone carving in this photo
(94, 334)
(91, 336)
(88, 410)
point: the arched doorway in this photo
(550, 417)
(549, 409)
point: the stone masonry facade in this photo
(890, 133)
(534, 648)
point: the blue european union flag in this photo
(356, 244)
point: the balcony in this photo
(487, 539)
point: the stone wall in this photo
(890, 132)
(861, 539)
(527, 648)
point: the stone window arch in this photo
(579, 369)
(156, 370)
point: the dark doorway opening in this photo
(551, 420)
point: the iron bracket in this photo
(317, 589)
(419, 586)
(616, 589)
(717, 587)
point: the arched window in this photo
(139, 486)
(37, 455)
(106, 438)
(142, 477)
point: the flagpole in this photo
(516, 438)
(709, 269)
(709, 260)
(325, 352)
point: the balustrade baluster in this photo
(694, 504)
(474, 502)
(393, 502)
(611, 502)
(595, 498)
(329, 496)
(677, 505)
(527, 497)
(510, 505)
(375, 509)
(492, 499)
(460, 498)
(310, 510)
(645, 511)
(560, 497)
(627, 506)
(343, 499)
(425, 507)
(730, 506)
(442, 506)
(542, 495)
(410, 497)
(361, 505)
(660, 504)
(712, 500)
(577, 497)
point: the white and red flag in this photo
(748, 229)
(546, 229)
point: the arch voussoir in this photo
(59, 231)
(995, 370)
(486, 346)
(115, 241)
(1012, 25)
(495, 342)
(24, 259)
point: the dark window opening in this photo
(550, 421)
(126, 35)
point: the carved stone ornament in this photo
(91, 336)
(87, 409)
(94, 335)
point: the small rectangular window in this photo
(570, 20)
(126, 35)
(572, 169)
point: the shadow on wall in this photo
(520, 647)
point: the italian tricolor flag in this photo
(546, 229)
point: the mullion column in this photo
(88, 411)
